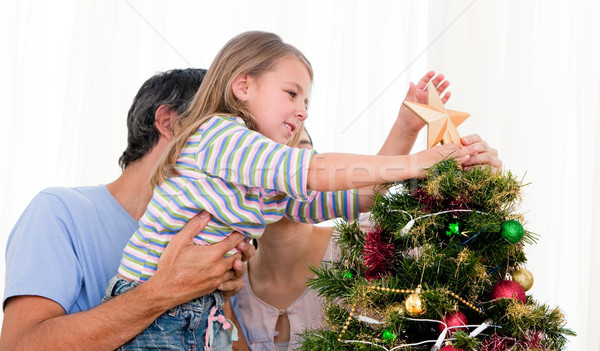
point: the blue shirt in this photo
(66, 246)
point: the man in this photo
(68, 243)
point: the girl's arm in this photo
(336, 171)
(480, 153)
(330, 173)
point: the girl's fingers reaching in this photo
(481, 153)
(451, 150)
(470, 139)
(483, 159)
(474, 144)
(463, 159)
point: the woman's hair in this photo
(250, 53)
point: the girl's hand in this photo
(481, 153)
(427, 158)
(418, 93)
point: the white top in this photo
(258, 319)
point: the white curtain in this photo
(528, 72)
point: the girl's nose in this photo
(302, 113)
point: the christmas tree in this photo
(442, 267)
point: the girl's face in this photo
(278, 99)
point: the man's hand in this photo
(235, 284)
(187, 271)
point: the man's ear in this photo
(240, 87)
(164, 119)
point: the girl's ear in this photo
(240, 87)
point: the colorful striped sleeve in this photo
(229, 150)
(323, 206)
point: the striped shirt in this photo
(236, 175)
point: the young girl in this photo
(229, 158)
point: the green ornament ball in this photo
(347, 275)
(453, 229)
(512, 231)
(389, 336)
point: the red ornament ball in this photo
(450, 348)
(453, 320)
(508, 289)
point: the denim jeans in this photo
(181, 328)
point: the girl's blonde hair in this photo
(252, 53)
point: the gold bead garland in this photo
(345, 327)
(467, 303)
(403, 291)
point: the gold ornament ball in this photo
(396, 307)
(523, 277)
(414, 305)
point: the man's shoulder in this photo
(60, 191)
(74, 210)
(72, 200)
(66, 245)
(70, 194)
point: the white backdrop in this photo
(528, 72)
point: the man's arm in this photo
(185, 271)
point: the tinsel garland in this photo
(433, 203)
(378, 254)
(504, 343)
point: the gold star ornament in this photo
(441, 122)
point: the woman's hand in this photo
(418, 93)
(403, 134)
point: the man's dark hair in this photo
(174, 88)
